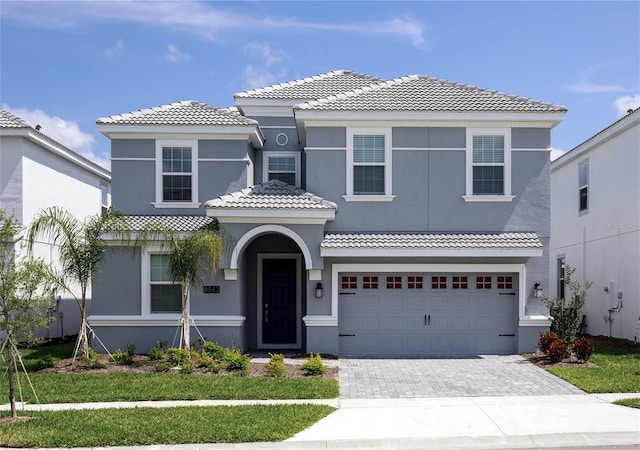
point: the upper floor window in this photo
(177, 174)
(561, 275)
(368, 165)
(583, 175)
(104, 196)
(282, 166)
(488, 165)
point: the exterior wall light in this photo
(319, 290)
(537, 290)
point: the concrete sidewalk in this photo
(552, 421)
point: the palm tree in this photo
(192, 256)
(81, 248)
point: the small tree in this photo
(25, 292)
(566, 314)
(81, 247)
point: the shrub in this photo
(130, 349)
(557, 350)
(120, 357)
(275, 366)
(179, 356)
(214, 350)
(156, 354)
(46, 362)
(162, 367)
(208, 363)
(583, 348)
(545, 340)
(314, 365)
(187, 368)
(237, 361)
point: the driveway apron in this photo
(478, 376)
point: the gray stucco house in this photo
(370, 217)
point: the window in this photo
(370, 282)
(460, 282)
(438, 282)
(177, 175)
(349, 282)
(483, 282)
(282, 166)
(394, 282)
(368, 165)
(166, 296)
(583, 175)
(488, 165)
(505, 282)
(414, 282)
(561, 274)
(104, 196)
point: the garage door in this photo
(396, 314)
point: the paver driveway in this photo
(481, 376)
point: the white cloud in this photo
(585, 87)
(255, 77)
(624, 104)
(68, 133)
(174, 55)
(265, 53)
(115, 50)
(201, 18)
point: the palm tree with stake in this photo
(81, 247)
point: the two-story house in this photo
(595, 224)
(37, 172)
(369, 217)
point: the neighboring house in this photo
(595, 226)
(37, 172)
(370, 217)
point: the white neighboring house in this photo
(595, 226)
(37, 172)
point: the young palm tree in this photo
(81, 248)
(192, 256)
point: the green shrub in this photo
(156, 354)
(314, 365)
(545, 340)
(162, 367)
(187, 368)
(130, 349)
(46, 362)
(583, 348)
(179, 356)
(557, 350)
(237, 361)
(275, 366)
(120, 357)
(213, 349)
(208, 363)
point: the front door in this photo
(279, 302)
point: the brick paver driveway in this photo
(481, 376)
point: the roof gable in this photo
(8, 120)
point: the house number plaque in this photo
(211, 289)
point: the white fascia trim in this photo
(163, 320)
(534, 321)
(278, 220)
(368, 198)
(520, 269)
(250, 133)
(548, 120)
(176, 205)
(267, 111)
(278, 127)
(320, 321)
(488, 198)
(407, 253)
(272, 214)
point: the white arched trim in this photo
(264, 229)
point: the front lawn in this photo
(153, 426)
(618, 370)
(630, 402)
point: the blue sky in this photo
(65, 64)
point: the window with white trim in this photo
(583, 188)
(368, 163)
(283, 166)
(165, 295)
(488, 165)
(177, 174)
(104, 196)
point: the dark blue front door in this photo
(278, 301)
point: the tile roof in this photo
(189, 112)
(8, 120)
(318, 86)
(272, 194)
(417, 93)
(176, 223)
(441, 241)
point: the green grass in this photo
(31, 357)
(616, 372)
(630, 402)
(153, 426)
(109, 387)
